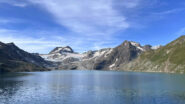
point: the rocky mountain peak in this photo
(8, 45)
(1, 45)
(126, 43)
(12, 58)
(133, 44)
(11, 44)
(66, 49)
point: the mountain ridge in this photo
(13, 59)
(169, 58)
(130, 56)
(99, 59)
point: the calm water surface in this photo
(92, 87)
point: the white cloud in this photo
(16, 3)
(44, 42)
(28, 43)
(127, 3)
(181, 31)
(4, 21)
(171, 11)
(20, 4)
(93, 24)
(88, 17)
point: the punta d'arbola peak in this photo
(129, 56)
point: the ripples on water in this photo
(92, 87)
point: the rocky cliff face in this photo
(14, 59)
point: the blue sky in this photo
(41, 25)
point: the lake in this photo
(92, 87)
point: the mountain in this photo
(59, 54)
(169, 58)
(104, 59)
(129, 56)
(61, 50)
(13, 59)
(123, 53)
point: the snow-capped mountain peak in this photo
(134, 43)
(137, 45)
(97, 59)
(61, 50)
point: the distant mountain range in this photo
(129, 56)
(104, 59)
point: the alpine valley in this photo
(129, 56)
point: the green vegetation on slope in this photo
(170, 58)
(174, 52)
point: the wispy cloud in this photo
(93, 24)
(88, 17)
(27, 43)
(44, 42)
(127, 3)
(181, 31)
(171, 11)
(9, 21)
(17, 3)
(87, 24)
(20, 4)
(5, 21)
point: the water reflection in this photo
(9, 87)
(91, 87)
